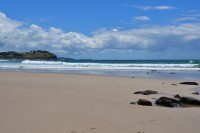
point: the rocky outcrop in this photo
(33, 55)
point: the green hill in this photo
(33, 55)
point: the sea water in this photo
(180, 69)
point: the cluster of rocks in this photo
(170, 102)
(177, 101)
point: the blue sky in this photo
(103, 29)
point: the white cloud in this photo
(115, 30)
(141, 18)
(15, 36)
(155, 7)
(7, 25)
(188, 17)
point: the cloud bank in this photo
(15, 35)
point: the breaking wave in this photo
(62, 65)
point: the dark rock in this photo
(138, 92)
(174, 84)
(172, 73)
(189, 100)
(133, 102)
(144, 102)
(177, 96)
(147, 92)
(133, 77)
(189, 83)
(167, 102)
(196, 93)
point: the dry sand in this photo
(64, 103)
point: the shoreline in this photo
(74, 103)
(165, 69)
(155, 74)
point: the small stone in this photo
(177, 96)
(147, 92)
(133, 102)
(189, 83)
(172, 73)
(196, 93)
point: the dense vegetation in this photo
(32, 55)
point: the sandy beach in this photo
(66, 103)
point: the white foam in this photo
(59, 65)
(3, 60)
(43, 62)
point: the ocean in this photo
(176, 69)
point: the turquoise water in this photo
(184, 69)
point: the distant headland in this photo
(32, 55)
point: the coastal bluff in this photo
(32, 55)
